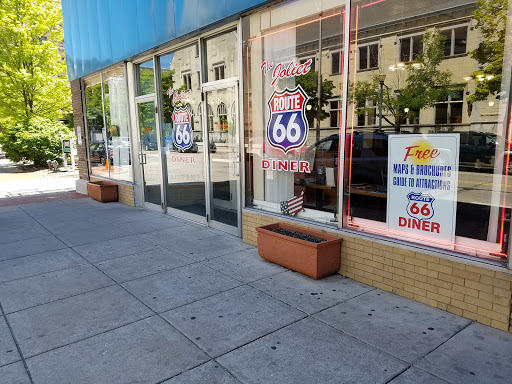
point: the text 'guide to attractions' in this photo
(422, 186)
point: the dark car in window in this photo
(99, 154)
(367, 156)
(477, 150)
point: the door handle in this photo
(142, 158)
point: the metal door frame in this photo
(140, 100)
(208, 87)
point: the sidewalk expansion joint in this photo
(2, 312)
(62, 298)
(91, 336)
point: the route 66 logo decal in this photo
(287, 127)
(420, 206)
(182, 132)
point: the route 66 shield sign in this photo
(420, 205)
(182, 131)
(287, 127)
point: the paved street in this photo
(105, 293)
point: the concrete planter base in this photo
(102, 191)
(311, 259)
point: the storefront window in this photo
(107, 125)
(95, 125)
(431, 167)
(184, 141)
(293, 65)
(118, 137)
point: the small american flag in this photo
(293, 206)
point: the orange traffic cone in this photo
(108, 166)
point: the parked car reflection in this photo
(99, 154)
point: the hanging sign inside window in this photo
(287, 128)
(422, 186)
(179, 96)
(182, 130)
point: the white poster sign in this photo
(79, 135)
(422, 186)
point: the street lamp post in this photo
(381, 82)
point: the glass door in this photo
(221, 111)
(183, 143)
(149, 156)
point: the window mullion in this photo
(452, 43)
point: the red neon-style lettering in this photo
(304, 167)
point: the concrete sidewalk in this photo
(18, 180)
(105, 293)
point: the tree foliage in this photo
(37, 139)
(168, 84)
(33, 80)
(309, 83)
(424, 85)
(491, 18)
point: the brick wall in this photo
(125, 193)
(76, 94)
(458, 286)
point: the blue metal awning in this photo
(98, 33)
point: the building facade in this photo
(389, 122)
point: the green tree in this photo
(168, 83)
(424, 85)
(37, 139)
(309, 83)
(33, 80)
(491, 18)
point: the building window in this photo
(222, 112)
(366, 115)
(456, 40)
(210, 115)
(385, 185)
(310, 138)
(187, 79)
(410, 47)
(369, 56)
(336, 62)
(450, 111)
(334, 113)
(218, 70)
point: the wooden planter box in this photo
(315, 260)
(102, 191)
